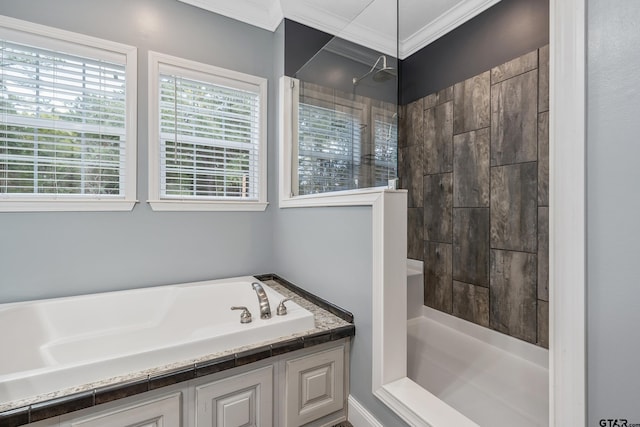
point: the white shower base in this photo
(493, 379)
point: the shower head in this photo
(382, 75)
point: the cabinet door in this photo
(162, 412)
(244, 400)
(314, 386)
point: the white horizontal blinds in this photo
(62, 123)
(209, 140)
(329, 149)
(386, 150)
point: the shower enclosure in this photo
(479, 271)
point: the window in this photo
(333, 142)
(327, 158)
(67, 123)
(385, 146)
(207, 137)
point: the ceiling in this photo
(371, 23)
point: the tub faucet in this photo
(265, 309)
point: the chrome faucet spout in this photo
(265, 308)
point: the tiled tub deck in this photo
(331, 324)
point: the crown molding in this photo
(448, 21)
(266, 14)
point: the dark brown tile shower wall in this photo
(475, 160)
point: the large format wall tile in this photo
(513, 304)
(471, 303)
(543, 324)
(438, 139)
(543, 159)
(437, 276)
(543, 253)
(471, 245)
(475, 161)
(438, 98)
(472, 104)
(438, 207)
(415, 232)
(522, 64)
(514, 120)
(471, 169)
(543, 73)
(410, 171)
(403, 123)
(412, 121)
(514, 207)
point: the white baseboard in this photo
(359, 416)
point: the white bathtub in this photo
(491, 378)
(55, 344)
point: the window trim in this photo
(81, 44)
(191, 68)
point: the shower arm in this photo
(356, 80)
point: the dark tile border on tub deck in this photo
(322, 303)
(86, 399)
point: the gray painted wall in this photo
(53, 254)
(330, 251)
(613, 229)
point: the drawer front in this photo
(244, 400)
(314, 386)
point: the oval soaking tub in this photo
(55, 344)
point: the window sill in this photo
(56, 205)
(361, 197)
(206, 206)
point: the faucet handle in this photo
(245, 316)
(282, 309)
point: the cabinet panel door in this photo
(314, 386)
(162, 412)
(244, 400)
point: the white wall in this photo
(53, 254)
(613, 210)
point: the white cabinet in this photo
(314, 386)
(160, 412)
(306, 387)
(244, 400)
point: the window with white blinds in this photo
(64, 128)
(328, 149)
(209, 144)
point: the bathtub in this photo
(57, 344)
(491, 378)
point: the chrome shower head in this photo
(382, 75)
